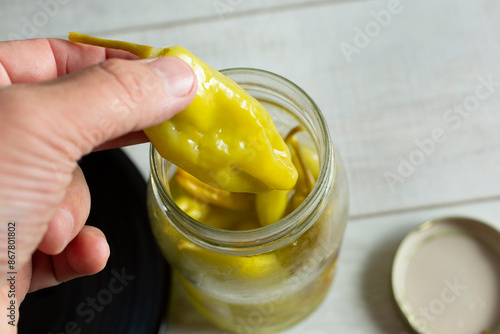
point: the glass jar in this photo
(266, 279)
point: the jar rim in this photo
(265, 238)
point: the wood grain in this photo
(55, 18)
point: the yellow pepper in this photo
(271, 206)
(265, 208)
(311, 158)
(246, 267)
(203, 192)
(194, 208)
(275, 204)
(225, 138)
(213, 207)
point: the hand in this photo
(58, 102)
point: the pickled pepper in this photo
(225, 137)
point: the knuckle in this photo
(129, 83)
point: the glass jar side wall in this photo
(258, 293)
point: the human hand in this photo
(54, 109)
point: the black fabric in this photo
(130, 294)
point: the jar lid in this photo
(446, 277)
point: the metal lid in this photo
(446, 277)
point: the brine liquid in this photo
(261, 314)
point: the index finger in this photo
(48, 58)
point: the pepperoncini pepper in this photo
(275, 204)
(207, 194)
(225, 137)
(241, 211)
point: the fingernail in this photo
(69, 221)
(178, 76)
(147, 60)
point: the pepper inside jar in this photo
(225, 210)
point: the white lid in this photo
(446, 277)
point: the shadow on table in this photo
(377, 290)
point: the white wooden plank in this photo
(394, 93)
(361, 300)
(55, 18)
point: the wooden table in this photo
(410, 89)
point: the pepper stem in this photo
(142, 51)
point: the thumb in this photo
(84, 109)
(114, 98)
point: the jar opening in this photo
(275, 89)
